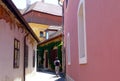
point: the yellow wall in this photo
(37, 28)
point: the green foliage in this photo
(50, 47)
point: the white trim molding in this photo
(82, 49)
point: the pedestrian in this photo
(57, 66)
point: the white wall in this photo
(7, 72)
(30, 70)
(7, 35)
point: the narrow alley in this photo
(59, 40)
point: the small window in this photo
(82, 33)
(68, 49)
(33, 58)
(47, 35)
(26, 56)
(16, 53)
(41, 34)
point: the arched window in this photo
(82, 33)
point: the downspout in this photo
(24, 56)
(63, 47)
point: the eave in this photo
(17, 14)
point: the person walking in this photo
(57, 66)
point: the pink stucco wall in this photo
(70, 26)
(7, 35)
(103, 41)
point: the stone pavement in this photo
(45, 76)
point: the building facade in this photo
(41, 16)
(18, 45)
(92, 44)
(48, 51)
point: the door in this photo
(46, 60)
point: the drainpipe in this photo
(24, 56)
(61, 3)
(63, 47)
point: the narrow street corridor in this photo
(30, 39)
(45, 76)
(59, 40)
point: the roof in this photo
(46, 8)
(42, 18)
(55, 35)
(53, 38)
(55, 31)
(18, 15)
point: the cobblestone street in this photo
(45, 76)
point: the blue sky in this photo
(21, 4)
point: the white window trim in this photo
(68, 49)
(82, 60)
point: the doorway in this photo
(46, 59)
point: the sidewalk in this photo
(44, 76)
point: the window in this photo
(26, 56)
(33, 58)
(16, 54)
(47, 35)
(68, 49)
(82, 33)
(41, 34)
